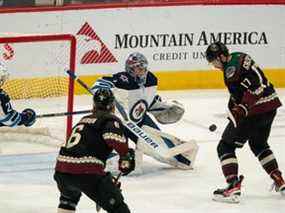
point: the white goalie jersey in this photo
(138, 100)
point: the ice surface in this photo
(26, 169)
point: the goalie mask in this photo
(103, 99)
(136, 65)
(4, 75)
(214, 50)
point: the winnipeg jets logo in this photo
(124, 78)
(138, 110)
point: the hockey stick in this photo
(135, 129)
(63, 114)
(115, 181)
(118, 106)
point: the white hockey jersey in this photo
(8, 116)
(136, 99)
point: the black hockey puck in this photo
(212, 127)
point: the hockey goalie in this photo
(136, 89)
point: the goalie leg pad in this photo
(59, 210)
(184, 160)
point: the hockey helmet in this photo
(136, 65)
(103, 99)
(4, 75)
(214, 50)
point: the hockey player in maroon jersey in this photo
(253, 105)
(81, 161)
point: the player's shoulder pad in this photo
(110, 120)
(232, 70)
(88, 119)
(151, 79)
(124, 80)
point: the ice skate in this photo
(230, 194)
(279, 183)
(280, 189)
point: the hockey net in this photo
(37, 65)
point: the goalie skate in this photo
(230, 194)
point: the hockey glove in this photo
(28, 117)
(238, 113)
(127, 162)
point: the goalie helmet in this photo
(103, 99)
(136, 65)
(4, 75)
(214, 50)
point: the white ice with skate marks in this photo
(27, 186)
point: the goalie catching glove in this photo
(28, 117)
(127, 162)
(166, 113)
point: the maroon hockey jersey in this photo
(90, 144)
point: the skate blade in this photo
(230, 199)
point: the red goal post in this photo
(30, 80)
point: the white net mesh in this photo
(37, 66)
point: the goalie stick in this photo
(63, 114)
(135, 129)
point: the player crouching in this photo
(135, 89)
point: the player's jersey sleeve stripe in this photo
(12, 119)
(261, 87)
(114, 137)
(117, 142)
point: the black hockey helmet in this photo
(214, 50)
(103, 99)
